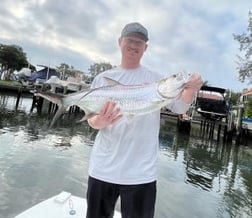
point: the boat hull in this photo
(62, 205)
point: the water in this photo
(197, 178)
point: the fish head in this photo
(172, 86)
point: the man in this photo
(125, 152)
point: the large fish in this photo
(131, 99)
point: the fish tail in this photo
(56, 99)
(59, 112)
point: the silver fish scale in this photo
(138, 99)
(132, 99)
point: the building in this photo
(246, 94)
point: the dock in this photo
(228, 129)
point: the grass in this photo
(10, 83)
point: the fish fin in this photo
(59, 112)
(109, 81)
(87, 116)
(112, 82)
(53, 97)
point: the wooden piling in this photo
(18, 97)
(218, 132)
(239, 124)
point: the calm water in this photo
(198, 178)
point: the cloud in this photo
(194, 36)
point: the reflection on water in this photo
(223, 171)
(197, 177)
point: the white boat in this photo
(63, 205)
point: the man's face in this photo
(132, 47)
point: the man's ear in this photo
(119, 41)
(146, 46)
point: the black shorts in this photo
(137, 201)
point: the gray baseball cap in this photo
(135, 28)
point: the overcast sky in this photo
(194, 36)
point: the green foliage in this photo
(248, 108)
(10, 83)
(97, 68)
(12, 57)
(245, 62)
(32, 67)
(234, 97)
(66, 70)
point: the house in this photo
(245, 95)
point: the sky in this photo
(193, 36)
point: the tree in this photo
(234, 97)
(97, 68)
(66, 70)
(245, 63)
(248, 108)
(12, 57)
